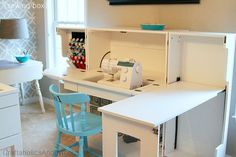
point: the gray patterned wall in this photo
(8, 48)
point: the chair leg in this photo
(85, 143)
(81, 147)
(58, 141)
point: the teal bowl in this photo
(22, 59)
(158, 27)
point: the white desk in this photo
(15, 73)
(198, 57)
(146, 109)
(158, 106)
(151, 110)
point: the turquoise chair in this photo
(80, 124)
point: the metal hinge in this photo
(155, 131)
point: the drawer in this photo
(10, 121)
(103, 93)
(12, 143)
(70, 86)
(9, 100)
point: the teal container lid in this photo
(158, 27)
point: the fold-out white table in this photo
(12, 73)
(142, 114)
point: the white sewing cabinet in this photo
(148, 47)
(177, 66)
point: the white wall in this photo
(100, 13)
(210, 15)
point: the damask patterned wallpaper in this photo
(8, 48)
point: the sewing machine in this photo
(125, 74)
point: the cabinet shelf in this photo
(128, 30)
(70, 26)
(178, 153)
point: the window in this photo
(69, 11)
(60, 13)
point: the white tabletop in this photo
(5, 89)
(13, 73)
(162, 104)
(5, 64)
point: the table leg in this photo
(112, 125)
(40, 96)
(22, 93)
(109, 138)
(150, 145)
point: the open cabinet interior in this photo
(149, 49)
(200, 59)
(63, 38)
(199, 131)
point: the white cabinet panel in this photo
(8, 100)
(10, 121)
(103, 93)
(70, 86)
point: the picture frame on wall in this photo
(132, 2)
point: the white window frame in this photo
(49, 33)
(52, 56)
(69, 22)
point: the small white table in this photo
(141, 115)
(12, 73)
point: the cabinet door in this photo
(9, 121)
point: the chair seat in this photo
(90, 126)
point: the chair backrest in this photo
(68, 100)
